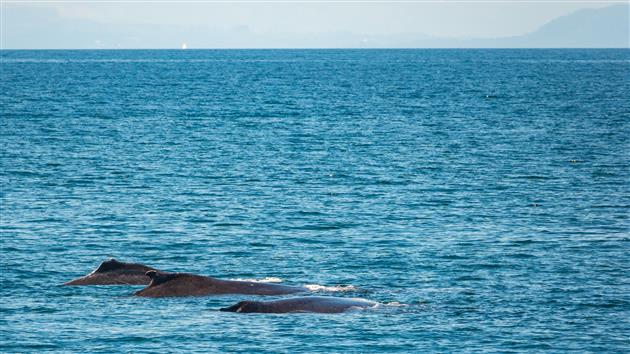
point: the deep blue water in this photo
(481, 196)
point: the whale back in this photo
(317, 304)
(113, 265)
(113, 272)
(158, 278)
(177, 284)
(186, 284)
(243, 306)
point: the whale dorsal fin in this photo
(113, 265)
(109, 265)
(158, 278)
(239, 307)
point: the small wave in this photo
(338, 288)
(360, 308)
(226, 224)
(325, 227)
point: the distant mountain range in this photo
(607, 27)
(29, 28)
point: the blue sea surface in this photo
(482, 197)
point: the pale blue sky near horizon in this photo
(267, 19)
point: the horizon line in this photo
(313, 48)
(313, 1)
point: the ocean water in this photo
(482, 197)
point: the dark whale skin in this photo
(184, 284)
(113, 272)
(316, 304)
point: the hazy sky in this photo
(441, 19)
(437, 18)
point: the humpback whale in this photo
(113, 272)
(184, 284)
(318, 304)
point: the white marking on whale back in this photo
(361, 308)
(263, 280)
(338, 288)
